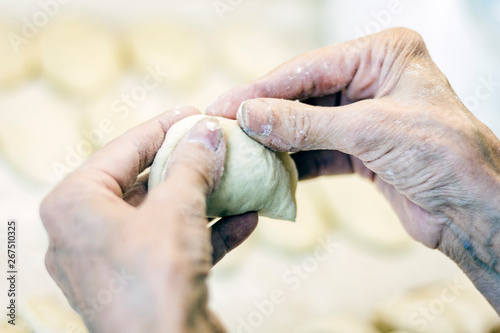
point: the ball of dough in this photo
(112, 115)
(81, 56)
(174, 51)
(310, 226)
(40, 134)
(51, 313)
(362, 212)
(18, 56)
(339, 323)
(254, 179)
(250, 51)
(20, 327)
(445, 306)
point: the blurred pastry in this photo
(52, 314)
(40, 134)
(447, 306)
(82, 57)
(21, 326)
(251, 52)
(212, 86)
(18, 55)
(341, 323)
(306, 232)
(363, 212)
(121, 109)
(174, 54)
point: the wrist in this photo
(472, 240)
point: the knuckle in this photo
(409, 42)
(60, 203)
(408, 35)
(373, 131)
(301, 124)
(52, 206)
(50, 264)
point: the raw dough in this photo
(81, 56)
(338, 323)
(112, 115)
(40, 134)
(175, 51)
(360, 210)
(51, 313)
(310, 228)
(17, 61)
(20, 327)
(255, 178)
(250, 51)
(453, 306)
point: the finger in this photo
(193, 171)
(117, 165)
(362, 129)
(359, 67)
(230, 232)
(318, 73)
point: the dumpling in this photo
(254, 179)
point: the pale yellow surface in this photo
(80, 56)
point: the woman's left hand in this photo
(131, 262)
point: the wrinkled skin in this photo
(383, 110)
(151, 253)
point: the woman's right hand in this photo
(389, 114)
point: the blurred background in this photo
(75, 74)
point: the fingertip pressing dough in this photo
(254, 179)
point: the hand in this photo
(387, 113)
(129, 261)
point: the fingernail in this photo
(255, 117)
(208, 132)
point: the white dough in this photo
(52, 314)
(174, 51)
(18, 56)
(255, 178)
(20, 327)
(339, 323)
(111, 116)
(454, 306)
(250, 51)
(81, 56)
(40, 134)
(309, 229)
(363, 212)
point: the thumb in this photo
(360, 129)
(194, 169)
